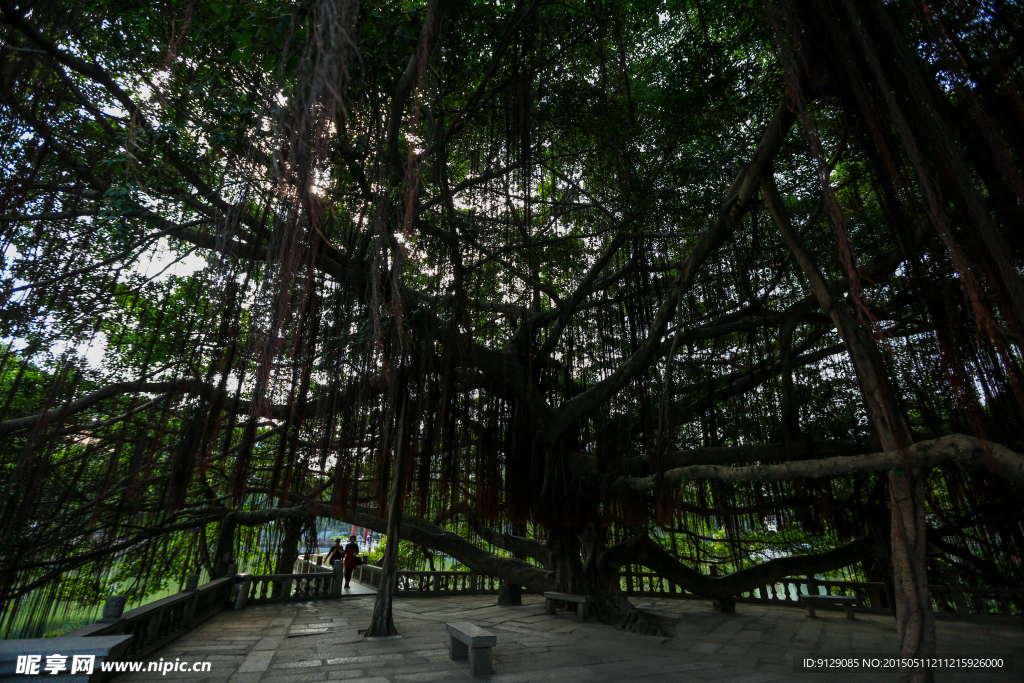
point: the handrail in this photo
(427, 583)
(307, 565)
(157, 623)
(265, 588)
(949, 601)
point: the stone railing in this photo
(427, 583)
(145, 629)
(152, 626)
(266, 588)
(311, 564)
(948, 601)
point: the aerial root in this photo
(642, 623)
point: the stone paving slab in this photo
(317, 641)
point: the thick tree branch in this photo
(590, 465)
(735, 204)
(960, 448)
(418, 531)
(584, 288)
(422, 532)
(141, 387)
(642, 550)
(513, 544)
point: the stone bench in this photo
(473, 642)
(812, 600)
(582, 603)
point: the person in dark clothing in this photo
(351, 552)
(335, 553)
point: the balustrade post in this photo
(113, 608)
(629, 579)
(959, 599)
(812, 585)
(472, 583)
(339, 578)
(191, 585)
(876, 597)
(189, 612)
(232, 572)
(726, 605)
(242, 599)
(153, 628)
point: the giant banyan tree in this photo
(547, 287)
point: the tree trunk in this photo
(914, 618)
(224, 553)
(564, 546)
(586, 576)
(289, 547)
(382, 623)
(790, 418)
(915, 621)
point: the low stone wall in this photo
(154, 625)
(427, 583)
(949, 601)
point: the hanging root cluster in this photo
(466, 276)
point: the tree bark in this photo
(790, 419)
(564, 546)
(224, 553)
(289, 547)
(381, 622)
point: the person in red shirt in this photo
(351, 553)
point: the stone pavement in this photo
(317, 641)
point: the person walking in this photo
(351, 559)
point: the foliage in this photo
(300, 242)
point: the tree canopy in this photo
(584, 283)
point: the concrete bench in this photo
(582, 603)
(473, 642)
(845, 601)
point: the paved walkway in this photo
(317, 641)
